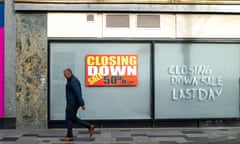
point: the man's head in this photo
(67, 73)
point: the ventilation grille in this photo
(148, 21)
(117, 21)
(90, 18)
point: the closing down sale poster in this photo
(112, 70)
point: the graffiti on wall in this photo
(194, 82)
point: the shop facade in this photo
(141, 64)
(179, 82)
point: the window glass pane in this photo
(197, 80)
(101, 102)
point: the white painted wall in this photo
(208, 26)
(73, 25)
(171, 26)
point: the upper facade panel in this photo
(135, 1)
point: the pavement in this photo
(126, 136)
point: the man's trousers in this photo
(71, 117)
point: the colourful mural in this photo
(1, 60)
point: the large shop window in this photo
(103, 102)
(197, 80)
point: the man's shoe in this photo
(91, 130)
(67, 139)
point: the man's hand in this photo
(83, 108)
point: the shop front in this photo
(175, 81)
(138, 66)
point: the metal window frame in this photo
(141, 8)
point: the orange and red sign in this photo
(112, 70)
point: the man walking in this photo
(74, 102)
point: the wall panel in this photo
(207, 26)
(1, 60)
(136, 1)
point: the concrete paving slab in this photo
(128, 136)
(197, 135)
